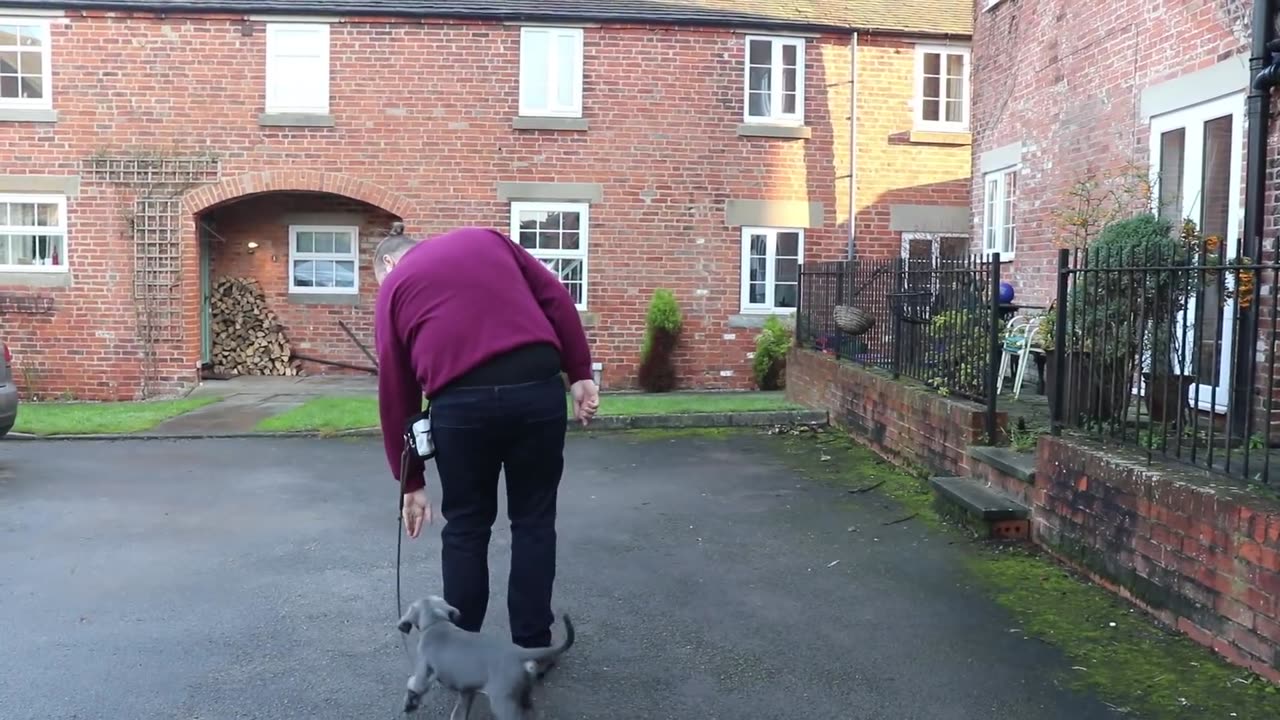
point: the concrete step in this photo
(1014, 464)
(981, 508)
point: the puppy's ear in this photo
(407, 622)
(454, 614)
(405, 626)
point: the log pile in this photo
(247, 336)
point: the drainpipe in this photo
(1264, 69)
(853, 144)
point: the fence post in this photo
(1060, 344)
(841, 279)
(801, 318)
(895, 313)
(993, 358)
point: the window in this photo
(25, 75)
(999, 198)
(771, 268)
(942, 88)
(298, 68)
(775, 80)
(324, 259)
(551, 72)
(33, 233)
(556, 234)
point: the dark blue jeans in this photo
(520, 430)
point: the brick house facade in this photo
(1085, 90)
(148, 149)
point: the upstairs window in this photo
(298, 68)
(25, 73)
(942, 88)
(775, 80)
(551, 72)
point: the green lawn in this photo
(49, 418)
(332, 414)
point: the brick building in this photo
(1094, 90)
(149, 149)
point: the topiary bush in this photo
(663, 324)
(770, 363)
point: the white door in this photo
(1197, 165)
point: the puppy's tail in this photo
(538, 654)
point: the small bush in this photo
(770, 363)
(663, 324)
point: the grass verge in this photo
(1120, 654)
(48, 418)
(334, 414)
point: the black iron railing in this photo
(935, 320)
(1143, 353)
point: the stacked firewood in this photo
(248, 338)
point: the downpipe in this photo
(1264, 69)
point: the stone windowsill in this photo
(324, 299)
(295, 120)
(18, 278)
(589, 319)
(527, 122)
(939, 137)
(30, 115)
(786, 132)
(756, 320)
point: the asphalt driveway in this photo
(253, 579)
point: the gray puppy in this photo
(470, 663)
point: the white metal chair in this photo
(1020, 343)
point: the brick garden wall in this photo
(908, 424)
(1203, 560)
(423, 112)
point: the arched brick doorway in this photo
(268, 227)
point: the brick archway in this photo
(209, 196)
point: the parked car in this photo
(8, 392)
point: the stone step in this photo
(984, 510)
(1014, 464)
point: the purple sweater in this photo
(453, 302)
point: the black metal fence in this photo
(1156, 348)
(935, 320)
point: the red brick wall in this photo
(1204, 560)
(908, 424)
(896, 166)
(423, 117)
(312, 328)
(1066, 80)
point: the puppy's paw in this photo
(412, 701)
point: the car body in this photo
(8, 391)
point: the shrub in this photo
(770, 363)
(662, 332)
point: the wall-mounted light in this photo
(252, 246)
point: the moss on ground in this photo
(1118, 653)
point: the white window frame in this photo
(993, 242)
(272, 103)
(941, 125)
(5, 229)
(549, 68)
(776, 116)
(584, 232)
(354, 256)
(46, 64)
(771, 268)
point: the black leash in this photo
(404, 471)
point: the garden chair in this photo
(1019, 345)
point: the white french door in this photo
(1197, 166)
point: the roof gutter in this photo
(354, 10)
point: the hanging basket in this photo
(852, 320)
